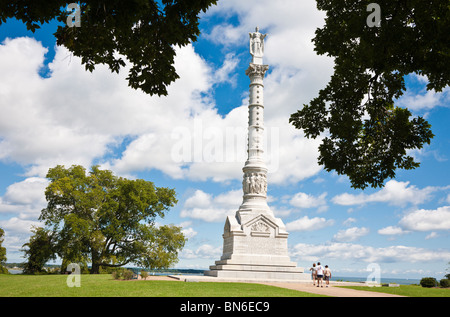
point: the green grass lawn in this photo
(407, 290)
(104, 285)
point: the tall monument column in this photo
(254, 183)
(254, 241)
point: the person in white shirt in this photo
(319, 270)
(327, 275)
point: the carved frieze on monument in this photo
(254, 183)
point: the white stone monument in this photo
(254, 241)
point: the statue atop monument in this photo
(257, 46)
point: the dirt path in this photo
(332, 290)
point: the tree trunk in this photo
(95, 268)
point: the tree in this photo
(163, 245)
(143, 31)
(103, 219)
(3, 270)
(366, 136)
(39, 250)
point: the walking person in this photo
(313, 274)
(327, 274)
(319, 271)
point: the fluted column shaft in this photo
(254, 182)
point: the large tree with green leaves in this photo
(365, 135)
(143, 31)
(106, 220)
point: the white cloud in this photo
(280, 212)
(33, 53)
(303, 200)
(206, 251)
(75, 116)
(358, 252)
(206, 207)
(200, 199)
(225, 34)
(350, 234)
(394, 193)
(432, 235)
(427, 220)
(33, 126)
(392, 230)
(349, 221)
(426, 152)
(13, 244)
(28, 191)
(189, 233)
(23, 202)
(296, 155)
(309, 224)
(187, 230)
(424, 99)
(16, 225)
(224, 73)
(26, 197)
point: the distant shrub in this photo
(123, 274)
(144, 274)
(116, 274)
(428, 282)
(128, 275)
(444, 282)
(53, 270)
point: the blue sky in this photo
(54, 112)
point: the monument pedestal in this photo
(255, 247)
